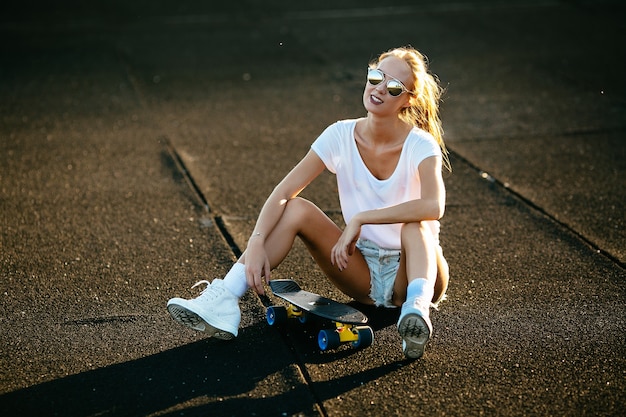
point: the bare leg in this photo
(421, 257)
(319, 233)
(443, 276)
(414, 287)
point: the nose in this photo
(381, 87)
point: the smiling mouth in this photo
(375, 99)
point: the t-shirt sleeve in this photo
(424, 147)
(326, 146)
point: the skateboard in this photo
(349, 323)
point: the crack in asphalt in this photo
(530, 203)
(182, 170)
(229, 239)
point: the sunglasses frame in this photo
(389, 79)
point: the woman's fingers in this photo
(339, 257)
(255, 281)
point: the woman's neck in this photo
(385, 130)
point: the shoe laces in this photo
(211, 292)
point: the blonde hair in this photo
(425, 96)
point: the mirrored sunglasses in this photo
(394, 86)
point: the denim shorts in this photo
(383, 264)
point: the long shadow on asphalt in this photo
(222, 376)
(207, 377)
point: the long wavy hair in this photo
(425, 98)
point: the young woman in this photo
(388, 167)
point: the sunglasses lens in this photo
(394, 88)
(375, 77)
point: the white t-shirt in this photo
(359, 190)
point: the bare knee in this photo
(309, 222)
(298, 209)
(417, 242)
(297, 204)
(410, 230)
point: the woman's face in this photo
(376, 98)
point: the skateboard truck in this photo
(277, 315)
(358, 336)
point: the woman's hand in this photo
(257, 264)
(346, 245)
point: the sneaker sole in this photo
(193, 321)
(415, 335)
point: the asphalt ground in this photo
(139, 141)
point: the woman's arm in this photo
(256, 261)
(430, 206)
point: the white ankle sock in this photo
(235, 280)
(420, 294)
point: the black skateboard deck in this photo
(349, 322)
(317, 305)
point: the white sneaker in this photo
(215, 311)
(415, 328)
